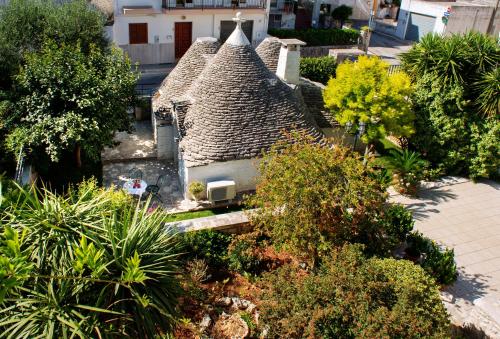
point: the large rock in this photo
(205, 323)
(232, 327)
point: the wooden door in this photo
(138, 33)
(183, 38)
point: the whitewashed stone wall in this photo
(243, 172)
(161, 48)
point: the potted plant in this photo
(197, 190)
(416, 246)
(407, 170)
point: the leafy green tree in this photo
(350, 296)
(342, 13)
(24, 27)
(26, 24)
(469, 61)
(456, 102)
(312, 197)
(72, 100)
(363, 92)
(88, 264)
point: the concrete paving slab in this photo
(465, 216)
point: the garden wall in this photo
(234, 223)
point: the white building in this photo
(161, 31)
(420, 17)
(222, 106)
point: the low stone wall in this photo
(235, 223)
(318, 51)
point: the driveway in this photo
(388, 48)
(465, 216)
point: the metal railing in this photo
(208, 4)
(394, 69)
(146, 89)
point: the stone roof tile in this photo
(189, 67)
(238, 109)
(269, 51)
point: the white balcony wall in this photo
(119, 4)
(161, 26)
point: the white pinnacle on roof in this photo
(238, 37)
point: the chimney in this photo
(289, 61)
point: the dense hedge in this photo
(351, 296)
(319, 69)
(456, 103)
(319, 37)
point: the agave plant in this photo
(96, 270)
(407, 167)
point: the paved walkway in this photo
(466, 216)
(138, 145)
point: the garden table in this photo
(135, 186)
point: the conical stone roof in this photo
(269, 51)
(238, 107)
(185, 72)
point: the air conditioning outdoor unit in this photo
(221, 190)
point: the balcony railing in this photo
(208, 4)
(282, 6)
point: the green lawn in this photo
(204, 213)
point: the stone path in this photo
(117, 174)
(465, 216)
(136, 145)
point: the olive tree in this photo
(26, 24)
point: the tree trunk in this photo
(368, 149)
(78, 156)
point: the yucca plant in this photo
(97, 270)
(488, 90)
(469, 60)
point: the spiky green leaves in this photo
(100, 266)
(14, 266)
